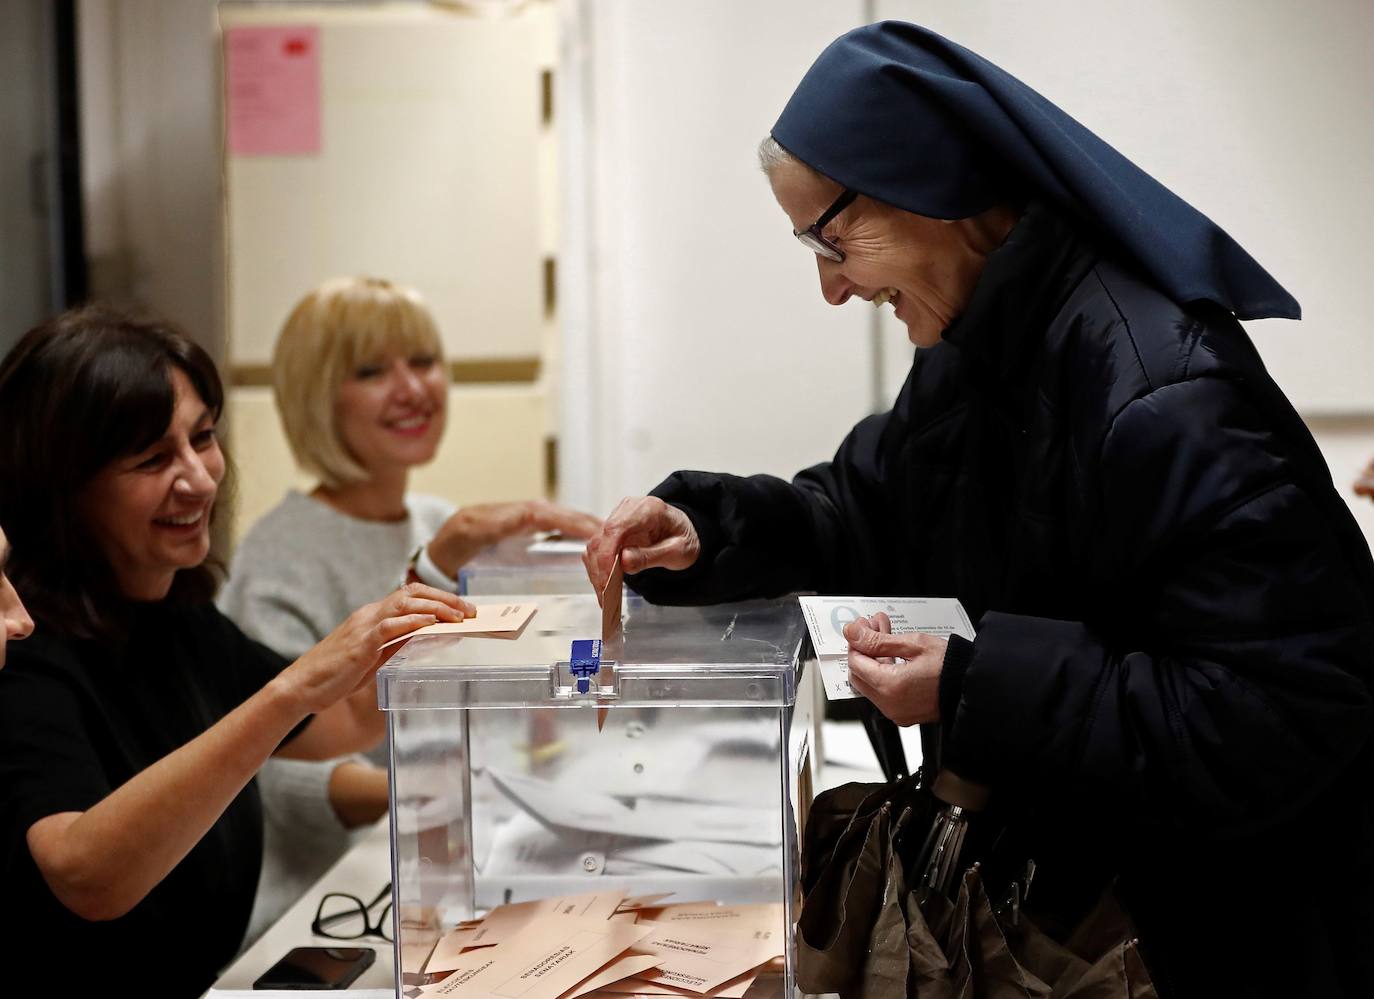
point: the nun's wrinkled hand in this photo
(646, 533)
(900, 674)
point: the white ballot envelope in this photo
(557, 546)
(568, 804)
(827, 616)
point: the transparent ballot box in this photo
(545, 838)
(526, 565)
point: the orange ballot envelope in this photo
(645, 901)
(504, 921)
(733, 989)
(612, 634)
(709, 915)
(698, 959)
(618, 970)
(490, 621)
(612, 626)
(551, 955)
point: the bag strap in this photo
(952, 789)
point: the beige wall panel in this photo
(493, 449)
(272, 207)
(428, 174)
(261, 456)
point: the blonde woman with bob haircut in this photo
(361, 389)
(337, 341)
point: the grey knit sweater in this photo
(305, 566)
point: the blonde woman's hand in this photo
(350, 654)
(476, 527)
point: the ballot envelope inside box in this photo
(526, 565)
(683, 772)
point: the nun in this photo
(1172, 685)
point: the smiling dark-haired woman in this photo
(133, 722)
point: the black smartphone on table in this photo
(317, 968)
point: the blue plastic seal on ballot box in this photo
(585, 662)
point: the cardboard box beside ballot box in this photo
(636, 837)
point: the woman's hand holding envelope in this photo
(346, 658)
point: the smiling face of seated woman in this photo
(15, 622)
(390, 411)
(107, 420)
(149, 512)
(361, 387)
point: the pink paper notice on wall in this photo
(272, 85)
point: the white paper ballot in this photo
(574, 806)
(557, 546)
(827, 616)
(523, 845)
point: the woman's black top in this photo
(77, 720)
(1173, 677)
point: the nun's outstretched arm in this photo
(829, 529)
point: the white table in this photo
(362, 871)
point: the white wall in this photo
(709, 345)
(704, 341)
(1259, 112)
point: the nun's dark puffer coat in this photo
(1172, 679)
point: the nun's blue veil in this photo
(898, 113)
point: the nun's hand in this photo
(908, 692)
(646, 533)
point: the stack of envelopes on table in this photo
(604, 944)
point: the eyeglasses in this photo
(344, 917)
(813, 238)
